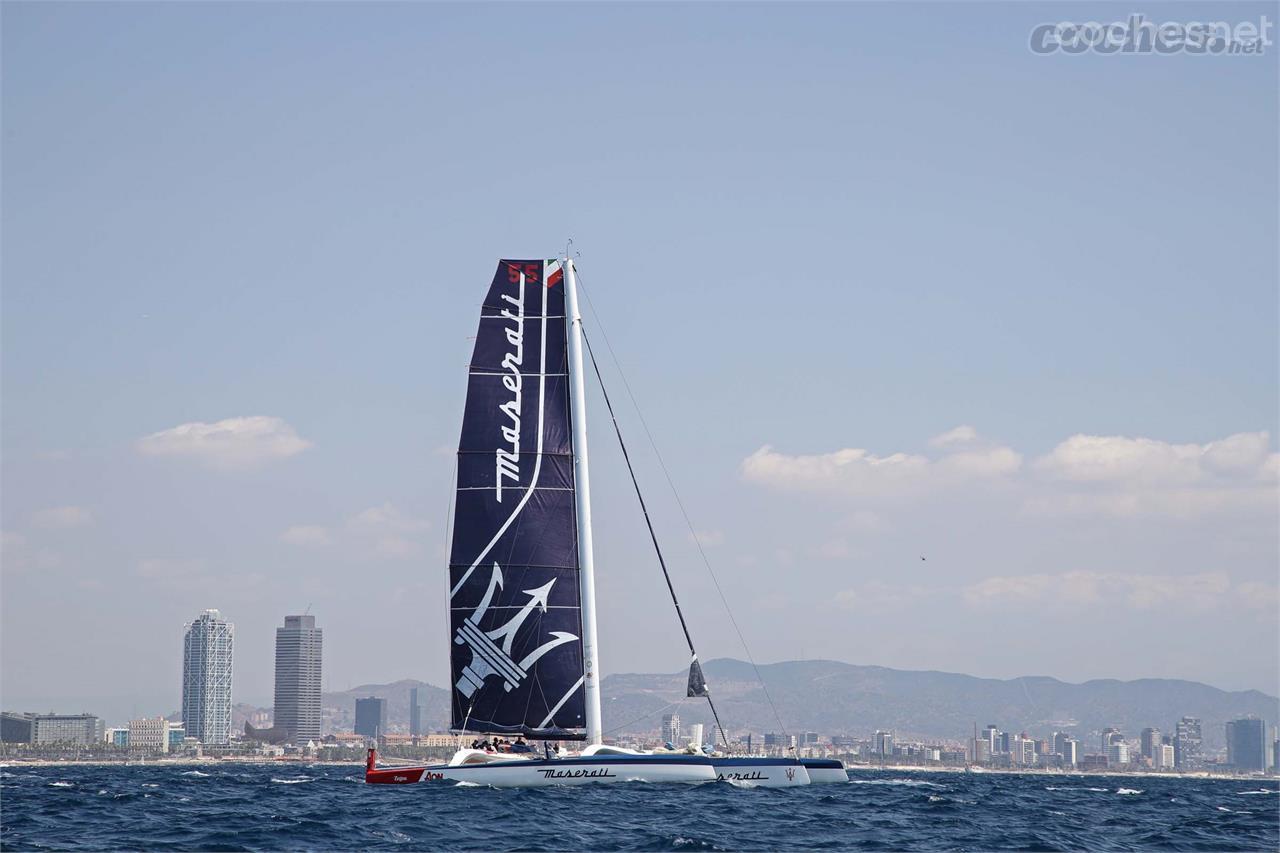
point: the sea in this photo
(328, 807)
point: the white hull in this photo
(761, 772)
(535, 772)
(825, 771)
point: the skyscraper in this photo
(371, 717)
(671, 729)
(206, 678)
(415, 713)
(1151, 744)
(1070, 752)
(695, 735)
(1186, 744)
(298, 659)
(1247, 744)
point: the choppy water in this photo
(254, 807)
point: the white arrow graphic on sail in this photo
(537, 599)
(487, 657)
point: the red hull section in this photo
(395, 775)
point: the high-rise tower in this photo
(206, 678)
(298, 660)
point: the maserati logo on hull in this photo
(601, 773)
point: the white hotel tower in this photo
(206, 678)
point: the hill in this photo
(831, 697)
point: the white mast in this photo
(586, 563)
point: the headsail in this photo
(515, 615)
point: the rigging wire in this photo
(644, 717)
(652, 535)
(676, 494)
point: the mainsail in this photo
(515, 610)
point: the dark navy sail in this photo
(515, 617)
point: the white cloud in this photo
(1120, 476)
(707, 538)
(1139, 591)
(307, 535)
(234, 443)
(61, 517)
(879, 594)
(1085, 474)
(833, 549)
(387, 517)
(1117, 459)
(17, 554)
(384, 531)
(962, 434)
(858, 471)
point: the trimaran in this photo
(524, 655)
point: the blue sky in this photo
(817, 229)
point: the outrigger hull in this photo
(825, 770)
(761, 772)
(541, 772)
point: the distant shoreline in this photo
(853, 768)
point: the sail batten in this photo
(515, 608)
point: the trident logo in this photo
(487, 656)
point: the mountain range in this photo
(830, 697)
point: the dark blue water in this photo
(254, 807)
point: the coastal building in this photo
(1150, 744)
(206, 678)
(671, 729)
(117, 737)
(150, 734)
(1070, 752)
(371, 717)
(695, 735)
(16, 728)
(1186, 744)
(177, 734)
(69, 729)
(1117, 753)
(882, 743)
(415, 713)
(1166, 754)
(299, 646)
(778, 742)
(1247, 744)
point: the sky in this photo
(961, 358)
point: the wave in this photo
(62, 784)
(911, 783)
(1246, 793)
(194, 773)
(296, 781)
(1128, 791)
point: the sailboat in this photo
(524, 653)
